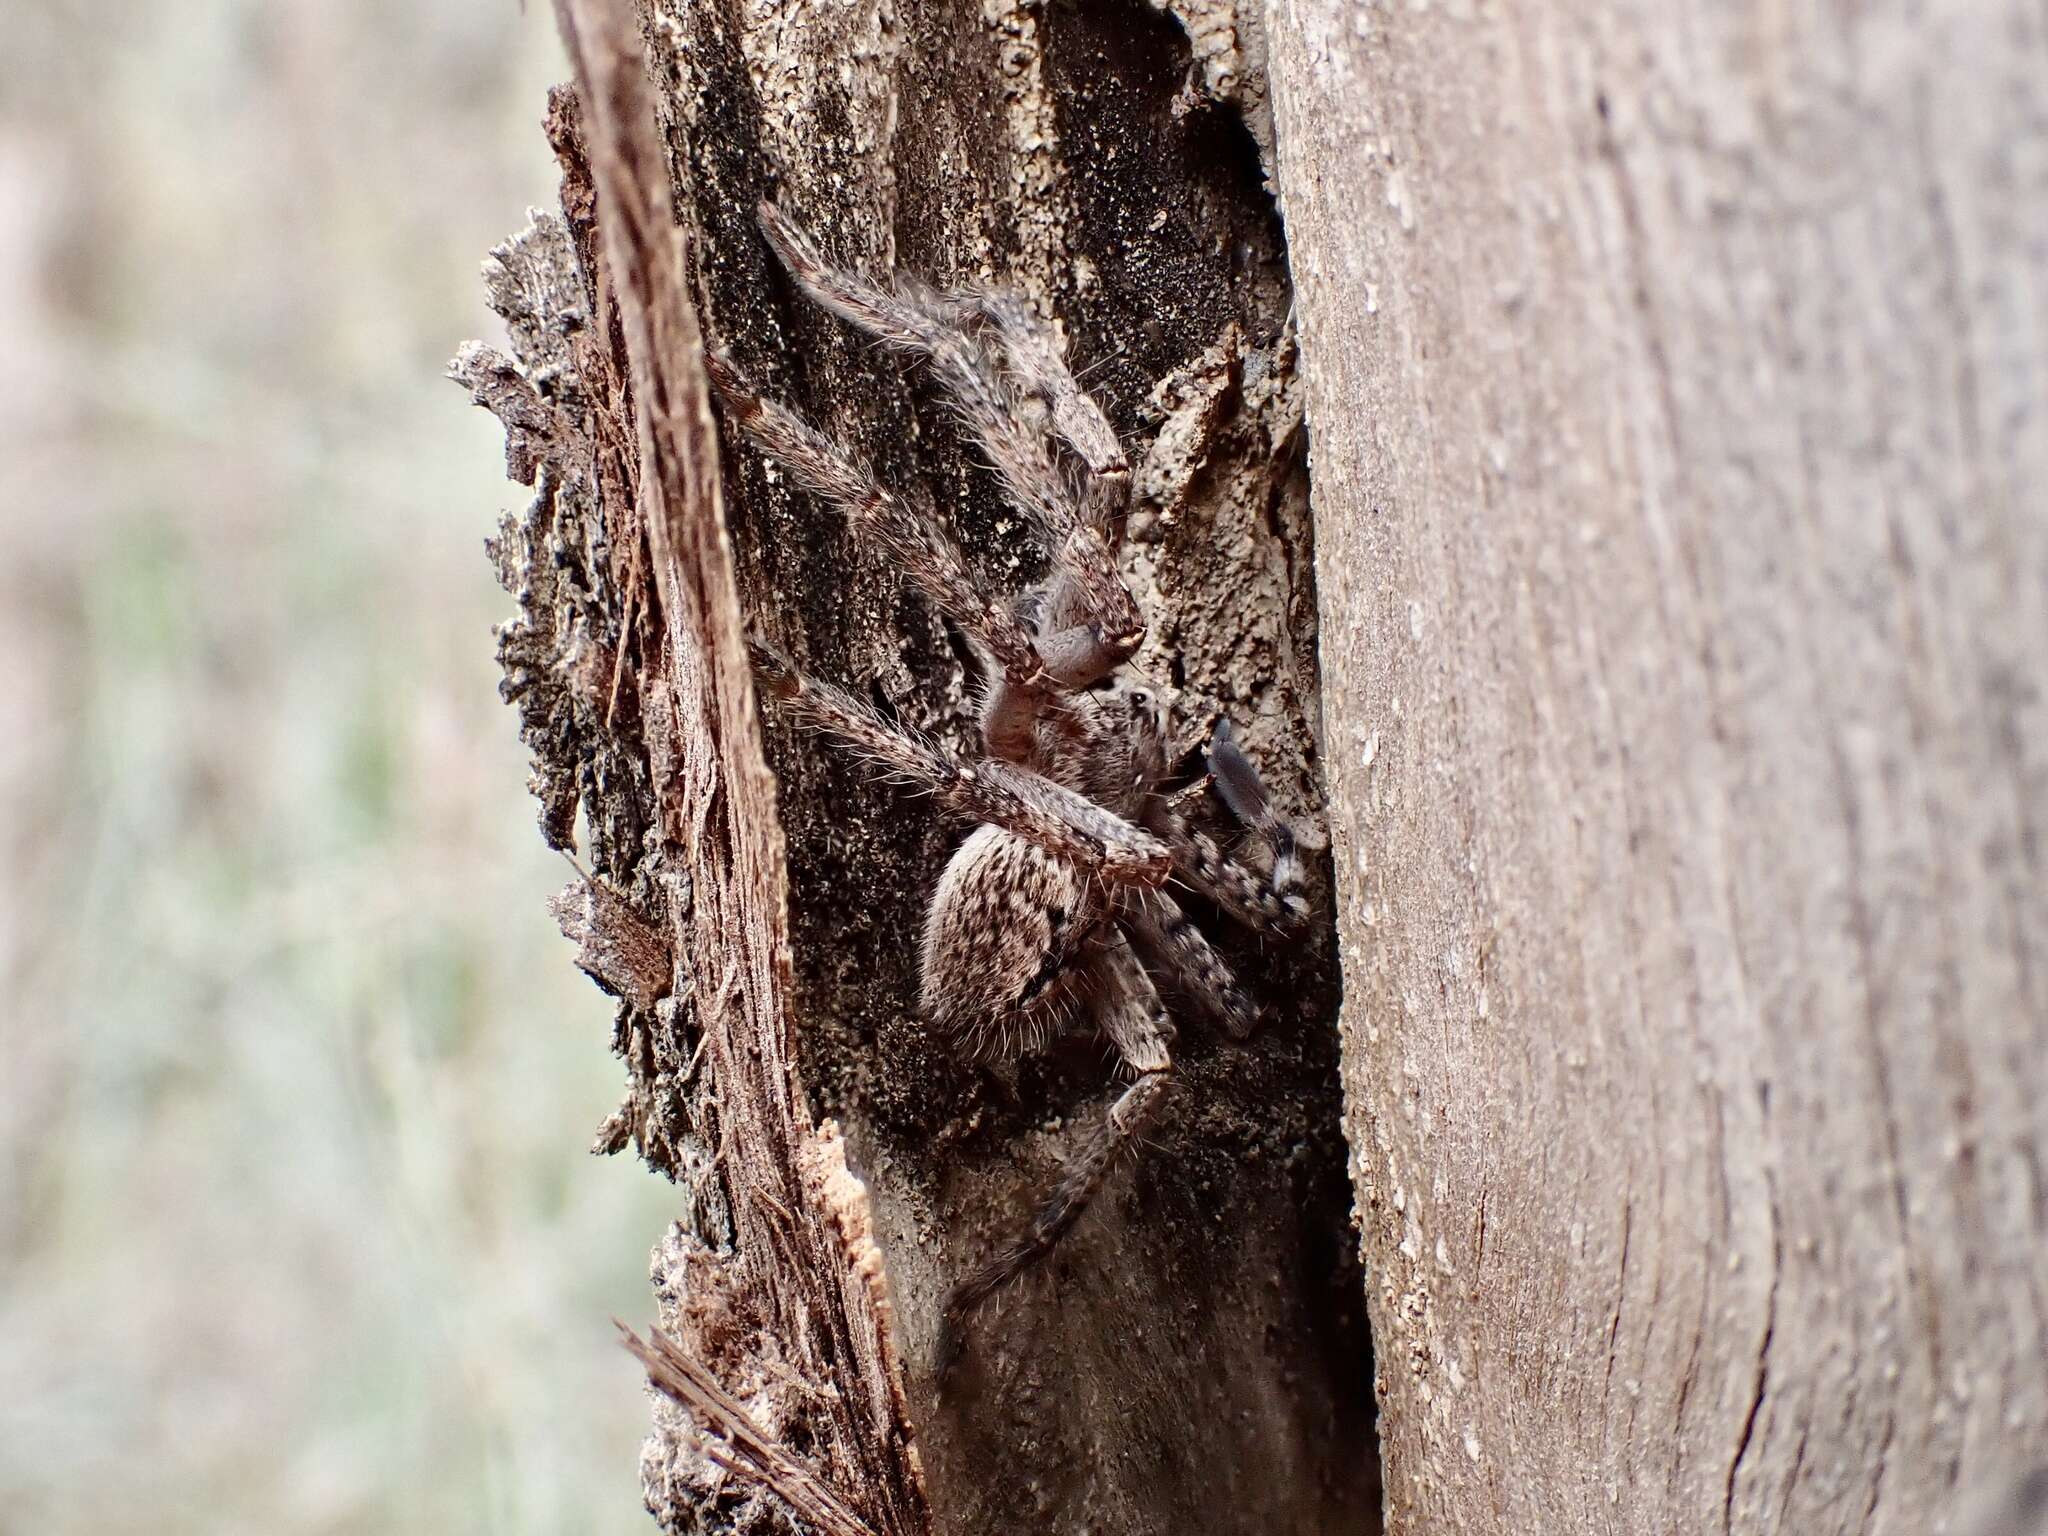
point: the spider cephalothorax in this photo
(1055, 913)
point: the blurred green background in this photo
(297, 1230)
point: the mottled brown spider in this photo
(1055, 912)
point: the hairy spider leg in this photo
(1130, 1013)
(917, 543)
(925, 323)
(1006, 794)
(1181, 960)
(1275, 899)
(1256, 900)
(1079, 641)
(1037, 364)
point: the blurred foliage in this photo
(296, 1228)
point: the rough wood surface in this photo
(772, 1283)
(1678, 396)
(1193, 1359)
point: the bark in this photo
(1194, 1357)
(1676, 384)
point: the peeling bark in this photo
(1193, 1358)
(1676, 387)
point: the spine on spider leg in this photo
(1116, 1136)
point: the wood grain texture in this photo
(1678, 402)
(799, 1260)
(785, 1386)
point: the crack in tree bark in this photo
(1763, 1369)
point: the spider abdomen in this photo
(1007, 923)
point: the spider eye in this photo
(1141, 699)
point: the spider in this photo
(1055, 912)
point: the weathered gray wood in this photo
(772, 1283)
(1678, 396)
(1193, 1359)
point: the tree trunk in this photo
(1193, 1358)
(1676, 382)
